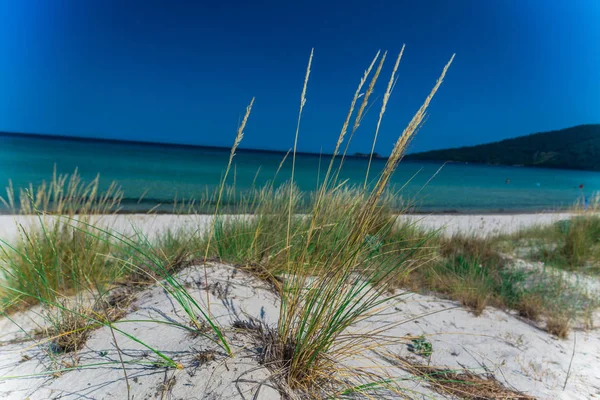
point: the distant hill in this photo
(572, 148)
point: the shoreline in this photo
(451, 212)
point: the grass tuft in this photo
(70, 329)
(572, 245)
(336, 272)
(478, 272)
(53, 256)
(559, 326)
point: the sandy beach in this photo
(447, 224)
(500, 343)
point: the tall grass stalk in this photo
(361, 111)
(386, 97)
(325, 185)
(238, 139)
(302, 103)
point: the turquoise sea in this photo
(165, 172)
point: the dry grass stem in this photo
(386, 97)
(342, 134)
(461, 383)
(238, 139)
(302, 102)
(404, 139)
(361, 110)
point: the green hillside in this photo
(573, 148)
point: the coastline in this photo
(167, 209)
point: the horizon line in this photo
(51, 136)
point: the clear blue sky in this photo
(183, 71)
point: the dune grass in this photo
(324, 252)
(66, 260)
(470, 270)
(480, 272)
(336, 263)
(55, 256)
(336, 274)
(572, 245)
(335, 257)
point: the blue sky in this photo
(183, 72)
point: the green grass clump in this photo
(572, 245)
(473, 270)
(579, 245)
(55, 256)
(470, 270)
(66, 260)
(260, 241)
(259, 236)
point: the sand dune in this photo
(517, 353)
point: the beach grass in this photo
(55, 256)
(334, 259)
(336, 274)
(337, 264)
(66, 260)
(478, 272)
(572, 245)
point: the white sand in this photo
(484, 224)
(223, 378)
(153, 225)
(517, 352)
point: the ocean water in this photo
(163, 173)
